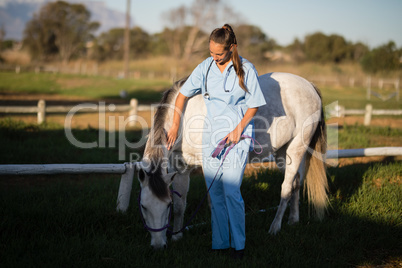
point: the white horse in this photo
(290, 126)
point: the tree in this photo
(59, 28)
(382, 58)
(203, 16)
(176, 19)
(39, 39)
(159, 46)
(110, 44)
(357, 51)
(322, 48)
(2, 35)
(296, 50)
(316, 47)
(253, 43)
(338, 48)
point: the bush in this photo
(383, 58)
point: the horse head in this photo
(155, 201)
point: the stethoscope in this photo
(206, 94)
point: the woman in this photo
(232, 96)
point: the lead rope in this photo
(221, 146)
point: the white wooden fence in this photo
(368, 112)
(127, 169)
(42, 109)
(133, 108)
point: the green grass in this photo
(70, 220)
(378, 199)
(47, 143)
(355, 98)
(149, 90)
(358, 136)
(95, 87)
(24, 143)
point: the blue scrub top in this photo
(227, 103)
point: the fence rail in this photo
(127, 169)
(38, 169)
(48, 169)
(42, 110)
(368, 112)
(133, 108)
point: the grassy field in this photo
(70, 220)
(147, 90)
(90, 87)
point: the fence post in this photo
(397, 89)
(133, 112)
(41, 111)
(351, 81)
(381, 83)
(368, 82)
(126, 184)
(367, 115)
(341, 111)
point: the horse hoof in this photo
(292, 221)
(177, 236)
(273, 230)
(159, 247)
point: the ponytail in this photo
(227, 37)
(238, 67)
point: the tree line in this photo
(64, 31)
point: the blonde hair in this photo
(226, 37)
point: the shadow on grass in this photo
(356, 230)
(48, 144)
(144, 96)
(70, 220)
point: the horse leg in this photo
(181, 184)
(294, 201)
(294, 156)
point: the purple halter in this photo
(170, 215)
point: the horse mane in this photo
(157, 184)
(154, 150)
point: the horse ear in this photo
(141, 175)
(145, 165)
(169, 177)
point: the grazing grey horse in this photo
(290, 126)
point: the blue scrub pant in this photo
(227, 205)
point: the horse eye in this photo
(144, 208)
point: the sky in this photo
(372, 22)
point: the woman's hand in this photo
(172, 136)
(178, 110)
(234, 136)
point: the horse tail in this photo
(316, 175)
